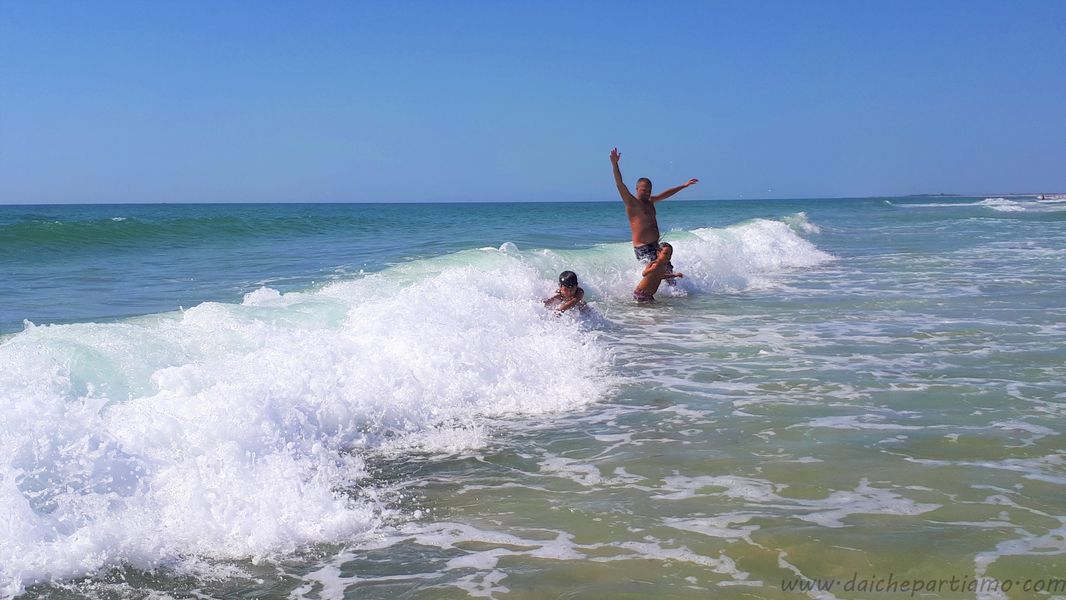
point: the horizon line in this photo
(679, 200)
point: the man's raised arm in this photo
(673, 190)
(623, 191)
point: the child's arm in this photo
(674, 275)
(652, 266)
(573, 301)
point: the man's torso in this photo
(643, 222)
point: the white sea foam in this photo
(239, 430)
(865, 499)
(721, 526)
(827, 512)
(234, 429)
(855, 422)
(475, 554)
(1047, 468)
(995, 204)
(1038, 431)
(801, 224)
(745, 488)
(1002, 204)
(587, 475)
(746, 255)
(1052, 543)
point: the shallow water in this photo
(842, 390)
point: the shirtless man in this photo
(641, 212)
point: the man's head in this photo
(643, 189)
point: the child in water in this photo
(654, 274)
(568, 295)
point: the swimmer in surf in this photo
(568, 295)
(654, 274)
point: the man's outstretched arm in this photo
(673, 190)
(623, 191)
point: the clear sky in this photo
(197, 101)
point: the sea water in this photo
(320, 401)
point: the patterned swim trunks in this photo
(642, 296)
(647, 252)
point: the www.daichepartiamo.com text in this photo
(913, 586)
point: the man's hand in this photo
(692, 182)
(623, 191)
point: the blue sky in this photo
(505, 101)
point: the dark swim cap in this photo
(568, 279)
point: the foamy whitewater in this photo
(310, 401)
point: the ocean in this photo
(844, 398)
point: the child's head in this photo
(568, 284)
(568, 279)
(666, 250)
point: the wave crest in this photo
(237, 429)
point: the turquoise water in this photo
(313, 401)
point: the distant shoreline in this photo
(989, 194)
